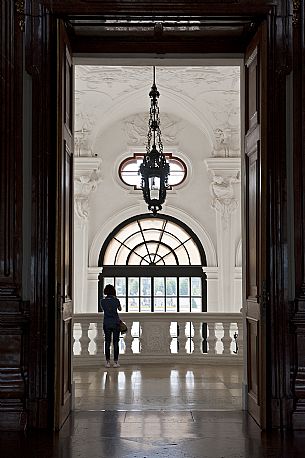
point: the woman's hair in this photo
(109, 290)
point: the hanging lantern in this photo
(154, 168)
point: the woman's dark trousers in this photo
(116, 337)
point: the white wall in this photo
(189, 136)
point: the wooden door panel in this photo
(255, 227)
(64, 225)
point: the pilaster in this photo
(225, 173)
(86, 179)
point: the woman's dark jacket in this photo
(110, 305)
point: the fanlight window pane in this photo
(182, 255)
(178, 231)
(109, 258)
(134, 260)
(193, 252)
(168, 260)
(159, 287)
(122, 254)
(160, 238)
(151, 223)
(126, 231)
(170, 240)
(133, 286)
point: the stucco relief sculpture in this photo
(84, 185)
(223, 196)
(226, 142)
(135, 128)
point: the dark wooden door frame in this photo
(92, 45)
(29, 323)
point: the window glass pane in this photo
(160, 261)
(168, 260)
(196, 304)
(152, 234)
(163, 250)
(111, 250)
(133, 304)
(170, 240)
(108, 281)
(171, 304)
(133, 286)
(141, 250)
(180, 233)
(159, 289)
(171, 286)
(184, 304)
(182, 256)
(193, 252)
(126, 231)
(196, 286)
(145, 304)
(134, 240)
(134, 260)
(159, 304)
(145, 286)
(120, 286)
(123, 303)
(121, 258)
(184, 286)
(151, 223)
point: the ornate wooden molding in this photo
(296, 11)
(20, 10)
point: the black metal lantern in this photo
(154, 168)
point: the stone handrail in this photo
(163, 337)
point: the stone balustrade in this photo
(206, 338)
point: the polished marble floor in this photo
(151, 411)
(159, 387)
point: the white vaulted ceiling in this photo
(205, 96)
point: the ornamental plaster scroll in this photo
(136, 128)
(87, 176)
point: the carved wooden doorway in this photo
(255, 254)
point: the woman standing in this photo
(110, 306)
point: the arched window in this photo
(155, 264)
(129, 170)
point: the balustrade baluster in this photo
(182, 338)
(197, 339)
(128, 338)
(226, 339)
(84, 339)
(212, 339)
(99, 339)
